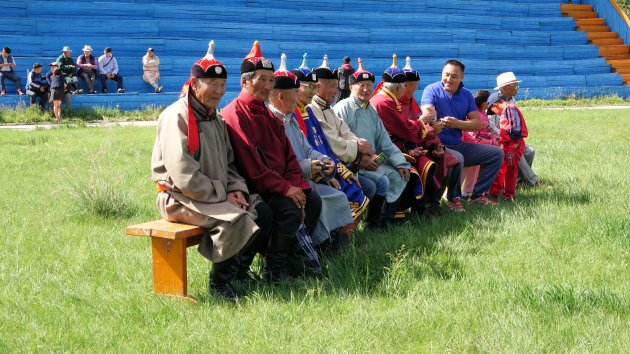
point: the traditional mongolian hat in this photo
(303, 72)
(394, 73)
(208, 66)
(361, 74)
(255, 61)
(283, 79)
(411, 74)
(324, 72)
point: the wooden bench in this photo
(168, 247)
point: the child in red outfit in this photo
(512, 132)
(482, 136)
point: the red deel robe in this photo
(407, 132)
(263, 152)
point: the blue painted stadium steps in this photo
(533, 40)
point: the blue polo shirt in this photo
(457, 105)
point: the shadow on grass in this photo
(387, 264)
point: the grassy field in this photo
(549, 273)
(32, 115)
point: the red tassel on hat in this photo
(255, 52)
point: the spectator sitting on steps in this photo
(151, 71)
(108, 67)
(37, 87)
(7, 66)
(68, 70)
(88, 68)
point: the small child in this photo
(56, 93)
(512, 132)
(482, 136)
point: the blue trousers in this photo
(11, 75)
(371, 188)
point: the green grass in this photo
(575, 102)
(625, 5)
(546, 274)
(30, 115)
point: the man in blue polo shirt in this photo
(448, 106)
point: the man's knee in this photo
(264, 217)
(286, 215)
(529, 152)
(382, 186)
(314, 201)
(497, 155)
(367, 186)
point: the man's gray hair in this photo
(392, 86)
(247, 76)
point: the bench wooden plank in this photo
(164, 229)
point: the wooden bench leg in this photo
(169, 267)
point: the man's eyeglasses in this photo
(309, 86)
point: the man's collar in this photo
(358, 103)
(252, 102)
(461, 84)
(321, 102)
(284, 117)
(201, 111)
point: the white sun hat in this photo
(506, 79)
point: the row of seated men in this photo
(279, 168)
(86, 66)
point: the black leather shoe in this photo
(225, 291)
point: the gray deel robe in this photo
(336, 211)
(198, 185)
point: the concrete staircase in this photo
(611, 47)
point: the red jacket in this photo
(263, 152)
(512, 124)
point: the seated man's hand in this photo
(297, 196)
(330, 167)
(372, 166)
(237, 198)
(365, 148)
(417, 152)
(428, 115)
(409, 158)
(404, 173)
(366, 162)
(437, 127)
(353, 179)
(316, 167)
(334, 183)
(450, 122)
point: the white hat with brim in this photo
(506, 79)
(87, 48)
(66, 49)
